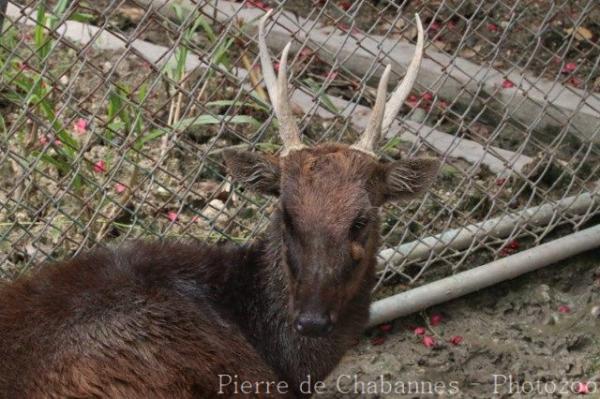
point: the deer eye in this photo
(357, 225)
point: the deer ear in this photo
(408, 178)
(255, 171)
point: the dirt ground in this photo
(535, 336)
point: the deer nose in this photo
(313, 324)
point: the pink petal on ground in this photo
(569, 67)
(456, 340)
(256, 4)
(436, 319)
(434, 27)
(305, 53)
(100, 166)
(172, 216)
(345, 5)
(582, 388)
(331, 75)
(80, 126)
(574, 81)
(513, 244)
(492, 27)
(120, 187)
(419, 331)
(564, 309)
(507, 84)
(428, 341)
(412, 101)
(387, 327)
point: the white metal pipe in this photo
(494, 272)
(501, 226)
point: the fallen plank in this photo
(536, 102)
(444, 143)
(499, 227)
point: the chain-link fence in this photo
(114, 115)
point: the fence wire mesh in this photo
(114, 116)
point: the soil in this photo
(531, 332)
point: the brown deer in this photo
(177, 320)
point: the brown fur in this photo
(163, 320)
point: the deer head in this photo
(329, 197)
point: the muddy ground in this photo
(537, 331)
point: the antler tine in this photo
(277, 88)
(265, 61)
(369, 137)
(383, 115)
(290, 134)
(403, 90)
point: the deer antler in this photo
(384, 113)
(278, 93)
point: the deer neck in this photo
(263, 307)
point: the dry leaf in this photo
(296, 109)
(440, 45)
(581, 33)
(467, 53)
(410, 33)
(400, 24)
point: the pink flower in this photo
(43, 139)
(492, 27)
(569, 67)
(387, 327)
(510, 248)
(276, 66)
(507, 84)
(172, 216)
(564, 309)
(500, 181)
(456, 340)
(100, 166)
(120, 187)
(57, 142)
(428, 341)
(427, 96)
(412, 101)
(345, 5)
(305, 53)
(331, 75)
(575, 81)
(80, 126)
(377, 341)
(343, 27)
(419, 331)
(256, 4)
(434, 27)
(436, 319)
(582, 388)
